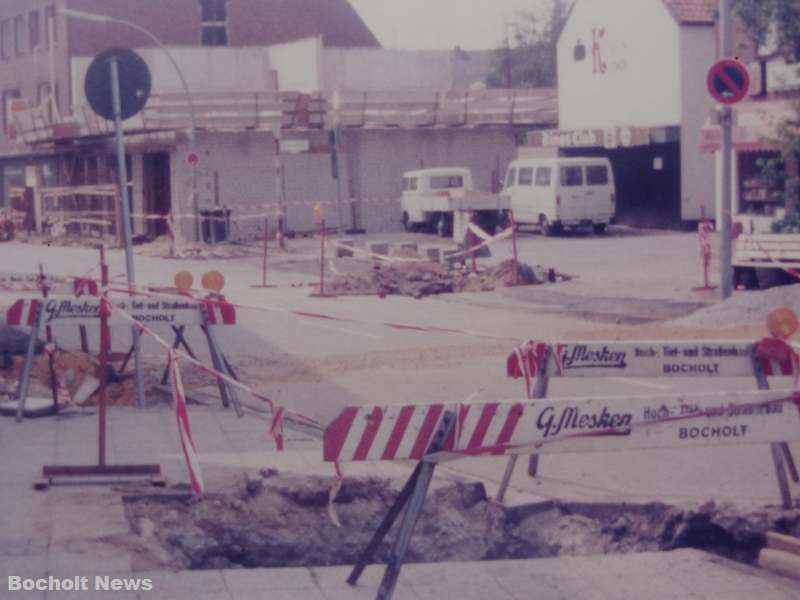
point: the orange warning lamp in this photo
(183, 280)
(782, 323)
(318, 214)
(213, 280)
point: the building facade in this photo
(632, 87)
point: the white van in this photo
(432, 196)
(554, 193)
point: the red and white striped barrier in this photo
(184, 427)
(402, 432)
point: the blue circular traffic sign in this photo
(728, 81)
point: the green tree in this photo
(529, 59)
(775, 25)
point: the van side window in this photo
(445, 182)
(571, 176)
(412, 184)
(597, 175)
(543, 176)
(512, 173)
(525, 176)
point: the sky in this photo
(440, 24)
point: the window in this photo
(571, 176)
(214, 23)
(543, 176)
(597, 175)
(19, 35)
(5, 39)
(34, 31)
(512, 173)
(8, 96)
(44, 102)
(409, 184)
(49, 17)
(445, 182)
(525, 176)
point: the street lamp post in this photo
(131, 276)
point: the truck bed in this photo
(765, 250)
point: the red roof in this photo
(693, 12)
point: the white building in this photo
(632, 87)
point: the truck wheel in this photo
(599, 228)
(545, 226)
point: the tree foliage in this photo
(529, 59)
(775, 25)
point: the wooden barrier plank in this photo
(781, 563)
(784, 543)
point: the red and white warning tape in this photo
(184, 428)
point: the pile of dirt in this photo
(744, 308)
(72, 369)
(282, 520)
(419, 279)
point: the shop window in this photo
(19, 35)
(759, 194)
(214, 25)
(44, 102)
(34, 30)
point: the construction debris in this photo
(422, 278)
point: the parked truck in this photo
(433, 197)
(762, 260)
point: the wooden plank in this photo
(784, 543)
(781, 563)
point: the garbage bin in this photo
(215, 224)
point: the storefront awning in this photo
(756, 129)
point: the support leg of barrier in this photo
(179, 341)
(413, 510)
(539, 391)
(513, 225)
(84, 339)
(790, 464)
(394, 511)
(25, 376)
(227, 393)
(411, 498)
(776, 448)
(322, 293)
(48, 336)
(264, 260)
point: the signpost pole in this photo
(126, 220)
(726, 122)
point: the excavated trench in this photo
(283, 521)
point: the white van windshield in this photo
(446, 182)
(597, 175)
(571, 176)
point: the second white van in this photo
(554, 193)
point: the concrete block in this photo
(449, 255)
(409, 247)
(343, 248)
(381, 248)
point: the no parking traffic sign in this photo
(728, 81)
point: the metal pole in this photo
(105, 343)
(266, 245)
(126, 222)
(726, 121)
(322, 259)
(513, 225)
